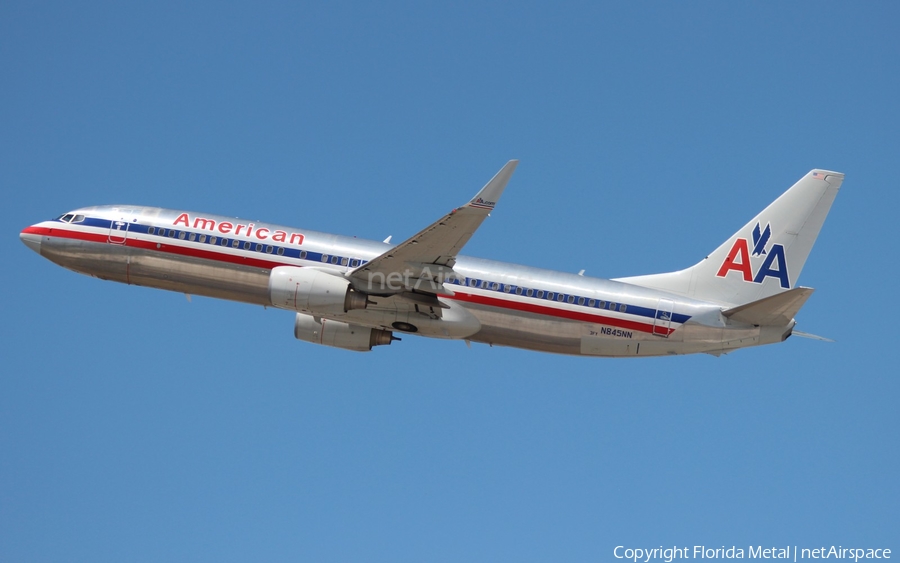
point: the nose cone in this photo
(31, 239)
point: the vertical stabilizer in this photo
(766, 256)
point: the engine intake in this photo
(313, 291)
(340, 334)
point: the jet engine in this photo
(339, 334)
(313, 291)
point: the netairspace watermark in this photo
(786, 553)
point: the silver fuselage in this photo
(517, 306)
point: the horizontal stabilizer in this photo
(810, 336)
(776, 310)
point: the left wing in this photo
(422, 262)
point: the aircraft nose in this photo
(31, 239)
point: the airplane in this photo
(356, 294)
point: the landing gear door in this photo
(118, 229)
(663, 319)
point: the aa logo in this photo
(774, 265)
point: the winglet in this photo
(489, 195)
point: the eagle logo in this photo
(761, 239)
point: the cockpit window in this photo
(67, 218)
(78, 219)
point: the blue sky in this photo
(137, 426)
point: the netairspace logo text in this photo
(788, 553)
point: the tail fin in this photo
(766, 256)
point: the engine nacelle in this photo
(339, 334)
(312, 291)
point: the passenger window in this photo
(162, 232)
(269, 249)
(472, 282)
(181, 235)
(539, 294)
(560, 297)
(529, 292)
(224, 242)
(201, 238)
(344, 261)
(302, 254)
(495, 286)
(602, 305)
(192, 237)
(550, 296)
(334, 259)
(622, 308)
(235, 243)
(151, 230)
(518, 291)
(280, 251)
(172, 233)
(246, 245)
(612, 306)
(592, 302)
(354, 263)
(325, 258)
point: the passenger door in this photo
(118, 228)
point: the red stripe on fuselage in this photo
(553, 312)
(269, 264)
(65, 233)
